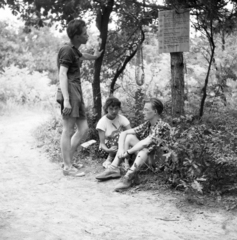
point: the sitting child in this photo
(109, 127)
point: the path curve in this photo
(38, 203)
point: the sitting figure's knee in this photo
(129, 138)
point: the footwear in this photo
(73, 172)
(75, 165)
(78, 165)
(109, 173)
(126, 182)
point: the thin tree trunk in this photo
(120, 70)
(212, 47)
(102, 22)
(177, 83)
(204, 89)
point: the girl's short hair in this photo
(75, 27)
(156, 104)
(111, 101)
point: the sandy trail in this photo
(38, 203)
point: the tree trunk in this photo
(204, 89)
(102, 22)
(177, 83)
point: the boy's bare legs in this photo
(71, 140)
(141, 158)
(82, 128)
(130, 176)
(68, 130)
(113, 171)
(130, 141)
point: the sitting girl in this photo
(109, 127)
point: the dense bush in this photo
(24, 87)
(202, 155)
(48, 136)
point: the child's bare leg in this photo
(141, 158)
(130, 141)
(130, 176)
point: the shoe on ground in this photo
(124, 183)
(75, 165)
(73, 173)
(109, 173)
(78, 165)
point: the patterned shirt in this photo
(159, 133)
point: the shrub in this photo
(202, 156)
(24, 87)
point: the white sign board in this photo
(174, 30)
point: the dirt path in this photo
(38, 203)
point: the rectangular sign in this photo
(174, 30)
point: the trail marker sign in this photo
(174, 31)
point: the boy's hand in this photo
(98, 53)
(66, 107)
(125, 154)
(113, 149)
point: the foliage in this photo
(35, 50)
(48, 136)
(221, 90)
(25, 87)
(202, 155)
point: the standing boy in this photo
(72, 104)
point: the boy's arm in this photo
(63, 80)
(128, 127)
(139, 146)
(87, 56)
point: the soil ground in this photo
(38, 203)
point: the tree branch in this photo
(151, 5)
(126, 61)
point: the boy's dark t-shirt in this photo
(69, 56)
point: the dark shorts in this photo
(78, 109)
(76, 101)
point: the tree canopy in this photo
(121, 42)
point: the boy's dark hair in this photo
(111, 101)
(156, 104)
(75, 27)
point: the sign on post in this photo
(173, 33)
